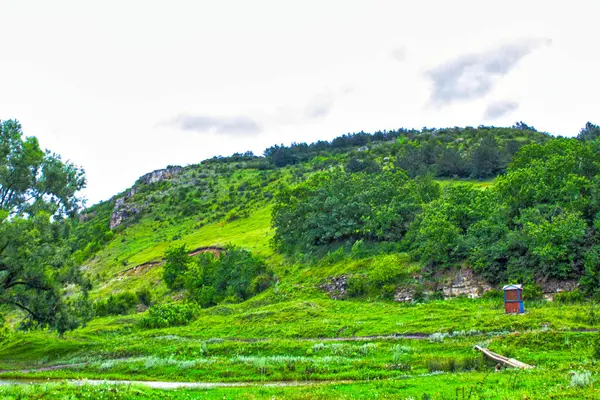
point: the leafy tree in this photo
(37, 193)
(589, 132)
(451, 163)
(486, 158)
(338, 207)
(234, 276)
(176, 266)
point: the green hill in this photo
(339, 262)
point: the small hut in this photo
(513, 299)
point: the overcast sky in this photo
(125, 87)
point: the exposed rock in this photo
(160, 175)
(552, 286)
(337, 287)
(466, 283)
(122, 211)
(141, 308)
(83, 217)
(556, 286)
(405, 294)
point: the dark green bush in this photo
(572, 297)
(118, 304)
(494, 294)
(532, 292)
(234, 276)
(144, 296)
(169, 314)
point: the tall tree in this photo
(485, 158)
(37, 194)
(589, 132)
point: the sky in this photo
(122, 88)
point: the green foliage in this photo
(169, 314)
(118, 304)
(537, 221)
(589, 132)
(37, 193)
(144, 296)
(340, 207)
(176, 266)
(572, 297)
(234, 276)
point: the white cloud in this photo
(91, 81)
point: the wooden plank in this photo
(511, 362)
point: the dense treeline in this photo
(451, 152)
(540, 220)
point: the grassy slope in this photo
(296, 309)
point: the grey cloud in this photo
(474, 75)
(320, 106)
(499, 109)
(234, 126)
(399, 54)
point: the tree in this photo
(589, 132)
(37, 194)
(176, 265)
(486, 158)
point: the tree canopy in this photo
(37, 194)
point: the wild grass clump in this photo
(453, 364)
(438, 337)
(398, 352)
(367, 348)
(318, 347)
(581, 378)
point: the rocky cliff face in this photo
(122, 210)
(160, 175)
(125, 209)
(465, 283)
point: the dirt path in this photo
(172, 385)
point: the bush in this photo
(572, 297)
(452, 364)
(494, 294)
(234, 276)
(596, 346)
(169, 314)
(119, 304)
(144, 296)
(532, 292)
(176, 265)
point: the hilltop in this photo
(229, 200)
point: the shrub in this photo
(574, 296)
(234, 276)
(118, 304)
(596, 346)
(452, 364)
(176, 265)
(532, 292)
(169, 314)
(357, 286)
(144, 296)
(494, 294)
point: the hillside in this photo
(228, 200)
(365, 265)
